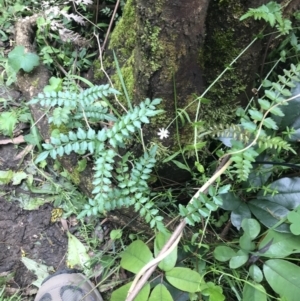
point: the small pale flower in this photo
(163, 133)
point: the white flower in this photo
(163, 133)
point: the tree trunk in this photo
(174, 50)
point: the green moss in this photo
(124, 35)
(151, 42)
(226, 38)
(75, 176)
(128, 77)
(122, 41)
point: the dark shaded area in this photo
(32, 232)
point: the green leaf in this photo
(184, 279)
(239, 259)
(6, 176)
(160, 293)
(55, 85)
(256, 115)
(283, 244)
(8, 121)
(120, 294)
(277, 111)
(271, 95)
(264, 104)
(18, 177)
(288, 191)
(18, 59)
(214, 292)
(294, 218)
(255, 273)
(246, 242)
(223, 253)
(115, 234)
(230, 201)
(283, 277)
(136, 256)
(77, 253)
(269, 213)
(169, 262)
(180, 165)
(60, 115)
(251, 227)
(40, 270)
(270, 123)
(254, 292)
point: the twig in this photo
(103, 70)
(110, 25)
(175, 237)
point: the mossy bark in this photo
(157, 44)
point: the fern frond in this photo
(275, 143)
(72, 99)
(242, 163)
(132, 121)
(103, 177)
(96, 113)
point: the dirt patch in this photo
(32, 233)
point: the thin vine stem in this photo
(261, 124)
(209, 87)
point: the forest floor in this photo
(26, 232)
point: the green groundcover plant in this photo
(258, 259)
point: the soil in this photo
(26, 233)
(32, 234)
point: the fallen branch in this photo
(148, 270)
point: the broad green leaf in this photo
(288, 192)
(184, 279)
(291, 112)
(230, 201)
(259, 175)
(223, 253)
(8, 120)
(254, 292)
(239, 214)
(135, 256)
(55, 85)
(283, 244)
(294, 218)
(214, 292)
(19, 59)
(283, 277)
(251, 227)
(255, 273)
(160, 293)
(246, 242)
(77, 253)
(18, 177)
(269, 213)
(6, 176)
(239, 259)
(169, 262)
(40, 270)
(120, 294)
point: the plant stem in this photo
(175, 237)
